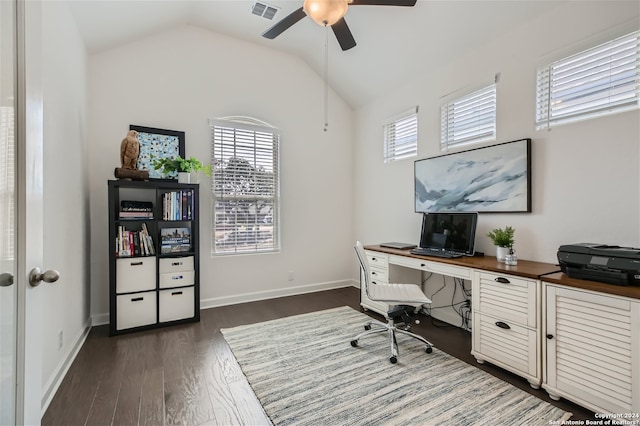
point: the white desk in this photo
(514, 307)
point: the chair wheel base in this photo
(354, 343)
(429, 349)
(393, 360)
(367, 327)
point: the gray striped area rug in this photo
(305, 372)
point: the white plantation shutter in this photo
(401, 136)
(246, 186)
(469, 119)
(599, 81)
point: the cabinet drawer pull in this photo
(177, 277)
(503, 325)
(502, 280)
(549, 336)
(137, 299)
(422, 265)
(175, 293)
(176, 263)
(135, 263)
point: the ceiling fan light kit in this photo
(330, 13)
(325, 12)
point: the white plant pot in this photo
(184, 177)
(501, 252)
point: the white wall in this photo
(178, 80)
(586, 176)
(66, 196)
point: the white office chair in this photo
(402, 299)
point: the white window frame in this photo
(245, 201)
(469, 119)
(595, 82)
(401, 136)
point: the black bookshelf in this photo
(154, 277)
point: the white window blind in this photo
(246, 186)
(469, 119)
(599, 81)
(401, 136)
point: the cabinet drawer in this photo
(507, 297)
(176, 304)
(135, 310)
(176, 264)
(380, 260)
(177, 279)
(514, 347)
(135, 274)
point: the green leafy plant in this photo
(502, 237)
(179, 164)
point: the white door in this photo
(21, 225)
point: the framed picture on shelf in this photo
(158, 144)
(175, 240)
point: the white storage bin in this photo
(135, 310)
(135, 274)
(177, 279)
(177, 304)
(176, 264)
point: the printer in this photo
(600, 262)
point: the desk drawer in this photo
(430, 266)
(380, 275)
(506, 297)
(506, 343)
(377, 259)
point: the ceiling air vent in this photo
(264, 10)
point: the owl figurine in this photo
(130, 150)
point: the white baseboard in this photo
(52, 385)
(103, 319)
(272, 294)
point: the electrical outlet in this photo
(291, 276)
(60, 340)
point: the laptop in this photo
(448, 234)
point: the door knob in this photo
(36, 276)
(6, 279)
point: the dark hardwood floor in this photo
(187, 375)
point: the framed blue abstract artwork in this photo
(492, 179)
(156, 144)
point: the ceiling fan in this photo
(330, 13)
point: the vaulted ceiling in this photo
(393, 43)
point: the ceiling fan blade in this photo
(284, 24)
(383, 3)
(343, 34)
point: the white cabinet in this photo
(592, 348)
(507, 323)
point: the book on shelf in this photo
(134, 242)
(178, 205)
(131, 209)
(175, 240)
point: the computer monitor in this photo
(449, 231)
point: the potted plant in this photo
(503, 240)
(184, 167)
